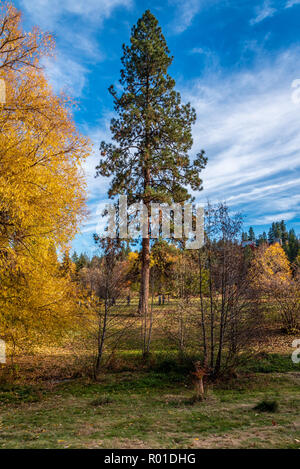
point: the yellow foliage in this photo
(42, 190)
(270, 265)
(133, 257)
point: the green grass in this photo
(19, 394)
(269, 363)
(150, 404)
(152, 410)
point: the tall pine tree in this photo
(152, 135)
(284, 233)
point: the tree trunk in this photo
(200, 393)
(203, 325)
(212, 314)
(223, 318)
(145, 277)
(144, 292)
(101, 340)
(151, 320)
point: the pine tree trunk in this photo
(145, 275)
(144, 293)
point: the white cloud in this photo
(75, 24)
(263, 190)
(96, 222)
(84, 42)
(97, 188)
(291, 3)
(187, 11)
(65, 75)
(48, 12)
(190, 9)
(273, 217)
(197, 50)
(266, 11)
(249, 126)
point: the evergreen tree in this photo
(66, 265)
(262, 239)
(284, 233)
(152, 135)
(271, 234)
(83, 261)
(75, 257)
(251, 234)
(293, 245)
(277, 230)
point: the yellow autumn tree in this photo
(271, 274)
(42, 189)
(270, 266)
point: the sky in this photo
(236, 61)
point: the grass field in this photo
(152, 410)
(150, 405)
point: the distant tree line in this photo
(278, 231)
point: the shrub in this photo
(267, 406)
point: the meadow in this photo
(53, 402)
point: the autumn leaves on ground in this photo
(148, 344)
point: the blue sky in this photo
(235, 61)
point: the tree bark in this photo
(205, 356)
(101, 338)
(145, 272)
